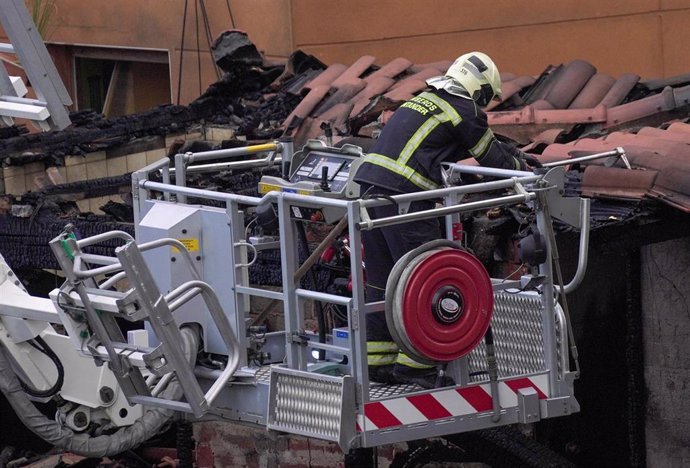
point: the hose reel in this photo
(439, 302)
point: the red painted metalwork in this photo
(465, 274)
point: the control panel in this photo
(331, 172)
(319, 170)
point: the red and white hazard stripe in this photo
(446, 403)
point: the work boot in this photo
(425, 377)
(381, 374)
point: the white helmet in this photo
(477, 73)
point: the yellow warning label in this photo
(190, 244)
(265, 188)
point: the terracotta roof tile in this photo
(304, 108)
(660, 158)
(345, 91)
(337, 116)
(661, 145)
(547, 113)
(594, 91)
(679, 127)
(673, 184)
(405, 91)
(614, 182)
(441, 66)
(642, 107)
(390, 70)
(374, 87)
(328, 76)
(355, 70)
(569, 83)
(419, 76)
(670, 135)
(661, 83)
(545, 138)
(620, 89)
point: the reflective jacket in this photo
(429, 129)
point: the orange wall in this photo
(647, 37)
(158, 24)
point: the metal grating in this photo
(518, 340)
(380, 391)
(562, 355)
(311, 404)
(263, 374)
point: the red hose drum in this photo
(441, 304)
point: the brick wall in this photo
(220, 444)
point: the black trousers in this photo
(384, 246)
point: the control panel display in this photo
(331, 167)
(318, 170)
(313, 166)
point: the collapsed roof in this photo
(568, 110)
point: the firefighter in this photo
(443, 124)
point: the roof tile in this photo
(346, 90)
(328, 76)
(642, 107)
(568, 84)
(390, 70)
(374, 87)
(614, 182)
(355, 70)
(420, 75)
(679, 127)
(670, 135)
(594, 91)
(673, 184)
(620, 89)
(304, 108)
(546, 113)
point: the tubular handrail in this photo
(169, 241)
(182, 160)
(112, 264)
(80, 272)
(585, 207)
(201, 193)
(186, 292)
(214, 167)
(104, 237)
(437, 212)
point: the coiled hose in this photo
(151, 422)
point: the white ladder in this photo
(49, 110)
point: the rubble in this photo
(568, 108)
(233, 48)
(256, 100)
(22, 211)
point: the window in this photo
(118, 82)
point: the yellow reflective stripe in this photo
(482, 145)
(448, 115)
(419, 136)
(402, 170)
(443, 104)
(382, 347)
(380, 359)
(405, 360)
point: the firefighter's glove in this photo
(528, 162)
